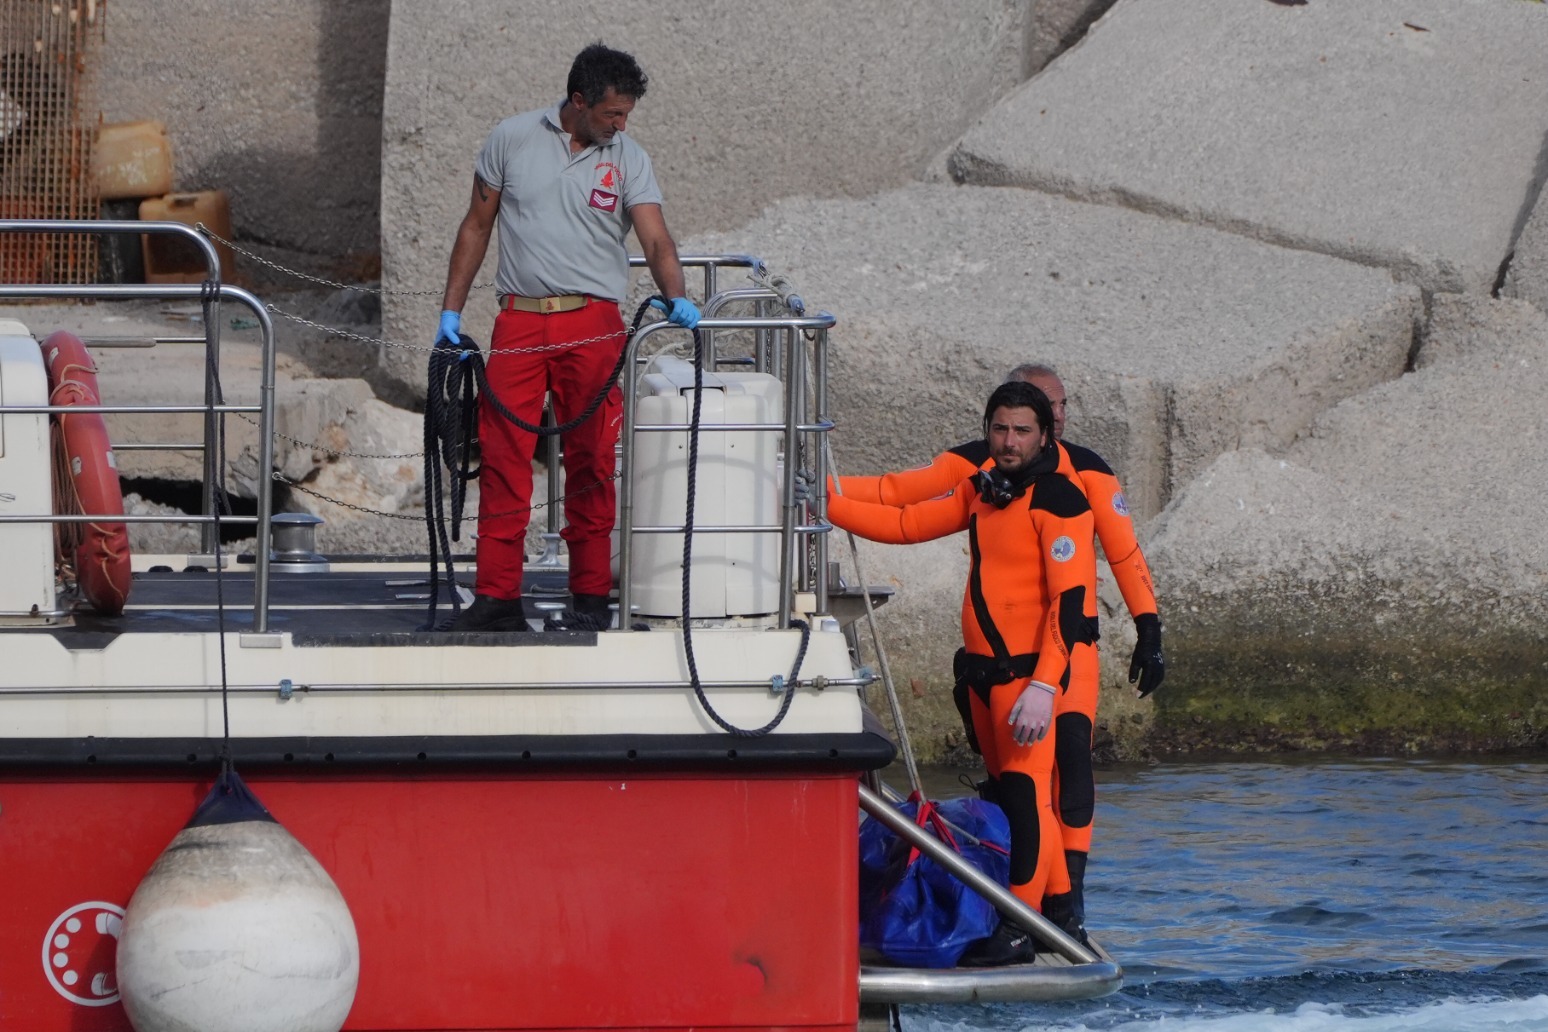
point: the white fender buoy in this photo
(237, 927)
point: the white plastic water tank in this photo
(26, 549)
(737, 485)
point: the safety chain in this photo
(201, 227)
(330, 452)
(338, 331)
(281, 478)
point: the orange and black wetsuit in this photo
(1075, 710)
(1027, 613)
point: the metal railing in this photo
(211, 292)
(779, 348)
(805, 416)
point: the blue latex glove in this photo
(683, 312)
(451, 329)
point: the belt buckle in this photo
(548, 305)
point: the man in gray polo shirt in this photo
(565, 185)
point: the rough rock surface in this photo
(348, 455)
(1527, 278)
(766, 101)
(1176, 342)
(1057, 25)
(1378, 584)
(1401, 133)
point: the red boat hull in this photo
(481, 901)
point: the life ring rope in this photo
(85, 481)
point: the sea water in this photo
(1311, 896)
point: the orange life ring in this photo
(88, 483)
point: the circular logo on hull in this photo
(80, 953)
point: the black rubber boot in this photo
(1075, 860)
(488, 613)
(1008, 945)
(1060, 911)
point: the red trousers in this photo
(528, 359)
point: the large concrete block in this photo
(277, 101)
(1379, 584)
(747, 103)
(1400, 133)
(1176, 342)
(1058, 25)
(1527, 278)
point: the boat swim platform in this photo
(1048, 979)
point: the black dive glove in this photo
(1148, 666)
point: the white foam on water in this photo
(1454, 1015)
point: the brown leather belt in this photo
(543, 305)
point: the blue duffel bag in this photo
(914, 911)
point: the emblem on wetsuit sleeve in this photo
(1120, 504)
(1063, 550)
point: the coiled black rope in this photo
(458, 383)
(693, 665)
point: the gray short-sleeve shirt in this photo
(563, 217)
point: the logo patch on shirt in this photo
(1120, 504)
(1063, 550)
(603, 200)
(611, 178)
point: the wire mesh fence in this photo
(48, 119)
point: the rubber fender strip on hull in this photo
(832, 752)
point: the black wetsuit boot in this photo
(1075, 860)
(1008, 945)
(1067, 910)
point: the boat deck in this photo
(357, 598)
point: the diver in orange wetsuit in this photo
(1028, 613)
(1075, 714)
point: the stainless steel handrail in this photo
(795, 403)
(214, 291)
(211, 339)
(802, 415)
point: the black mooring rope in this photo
(693, 666)
(209, 292)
